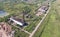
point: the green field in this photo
(19, 33)
(51, 25)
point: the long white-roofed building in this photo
(18, 21)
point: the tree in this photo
(26, 9)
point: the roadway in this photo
(31, 35)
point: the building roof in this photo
(17, 20)
(42, 9)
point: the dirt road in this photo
(31, 35)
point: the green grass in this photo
(32, 25)
(19, 33)
(51, 25)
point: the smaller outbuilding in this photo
(43, 9)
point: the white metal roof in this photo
(16, 22)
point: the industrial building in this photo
(18, 21)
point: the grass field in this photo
(19, 33)
(51, 25)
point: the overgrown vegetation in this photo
(50, 26)
(19, 33)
